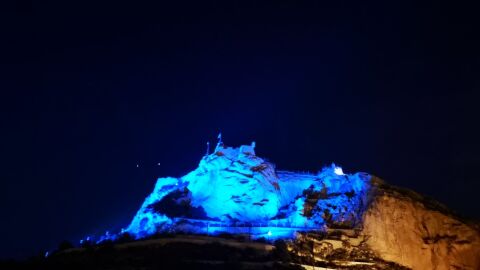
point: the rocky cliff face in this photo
(400, 229)
(341, 220)
(233, 186)
(404, 227)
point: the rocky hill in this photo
(333, 219)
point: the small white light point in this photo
(269, 233)
(158, 163)
(338, 171)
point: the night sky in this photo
(89, 91)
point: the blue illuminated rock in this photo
(233, 186)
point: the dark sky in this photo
(88, 91)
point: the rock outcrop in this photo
(400, 229)
(341, 220)
(233, 186)
(403, 227)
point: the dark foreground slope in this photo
(192, 252)
(162, 252)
